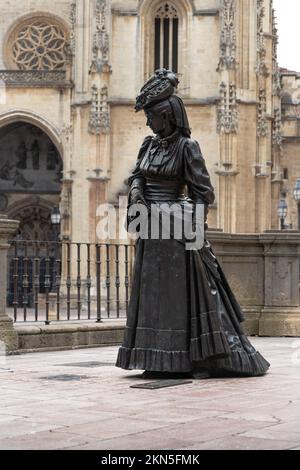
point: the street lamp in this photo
(282, 212)
(55, 220)
(297, 199)
(55, 216)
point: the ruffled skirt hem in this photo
(237, 363)
(154, 360)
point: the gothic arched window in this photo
(166, 26)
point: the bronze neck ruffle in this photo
(161, 151)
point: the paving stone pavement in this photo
(79, 400)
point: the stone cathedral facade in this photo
(69, 74)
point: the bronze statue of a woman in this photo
(183, 318)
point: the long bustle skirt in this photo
(183, 316)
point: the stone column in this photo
(97, 195)
(7, 333)
(281, 313)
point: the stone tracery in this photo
(39, 44)
(167, 10)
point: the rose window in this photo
(39, 45)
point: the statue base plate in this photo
(162, 384)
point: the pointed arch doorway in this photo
(31, 169)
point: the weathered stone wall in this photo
(263, 272)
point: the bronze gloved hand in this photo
(137, 197)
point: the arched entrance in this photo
(30, 187)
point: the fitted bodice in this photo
(160, 189)
(163, 173)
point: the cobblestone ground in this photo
(79, 400)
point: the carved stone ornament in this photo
(262, 123)
(277, 128)
(167, 10)
(228, 36)
(67, 131)
(71, 46)
(99, 121)
(38, 44)
(261, 66)
(275, 67)
(227, 118)
(28, 78)
(227, 169)
(100, 51)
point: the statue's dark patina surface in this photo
(183, 317)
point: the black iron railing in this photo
(53, 281)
